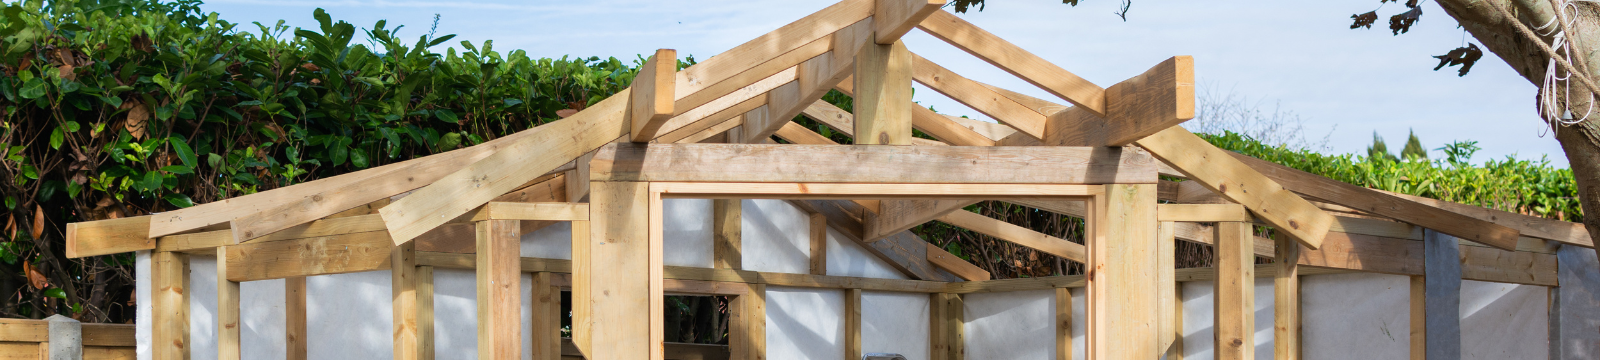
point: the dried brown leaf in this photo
(38, 221)
(35, 278)
(138, 115)
(1364, 20)
(1401, 23)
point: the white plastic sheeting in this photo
(847, 258)
(141, 294)
(1199, 313)
(1355, 316)
(1010, 325)
(775, 237)
(896, 323)
(550, 242)
(686, 232)
(805, 323)
(455, 314)
(1504, 321)
(350, 316)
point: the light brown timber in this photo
(227, 313)
(424, 318)
(1203, 213)
(104, 237)
(978, 97)
(1286, 301)
(726, 225)
(403, 292)
(294, 315)
(546, 327)
(1013, 59)
(1122, 316)
(1235, 297)
(883, 90)
(1017, 235)
(170, 305)
(1063, 323)
(897, 17)
(949, 262)
(1159, 98)
(819, 243)
(366, 251)
(852, 324)
(651, 101)
(1419, 317)
(620, 262)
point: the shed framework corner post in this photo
(170, 305)
(623, 272)
(1235, 292)
(403, 290)
(499, 281)
(1122, 260)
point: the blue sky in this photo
(1299, 55)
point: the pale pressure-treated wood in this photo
(1286, 301)
(1235, 293)
(883, 90)
(894, 216)
(876, 191)
(501, 172)
(357, 252)
(1366, 253)
(650, 104)
(904, 251)
(939, 324)
(424, 318)
(1419, 318)
(894, 17)
(1490, 264)
(1372, 201)
(169, 305)
(403, 293)
(542, 211)
(798, 134)
(961, 268)
(499, 289)
(227, 313)
(546, 324)
(973, 94)
(1135, 108)
(1175, 352)
(104, 237)
(294, 318)
(819, 243)
(623, 266)
(1122, 304)
(726, 228)
(756, 59)
(1222, 173)
(726, 113)
(1166, 286)
(747, 324)
(1203, 212)
(1017, 234)
(922, 118)
(852, 324)
(582, 319)
(890, 164)
(1063, 324)
(814, 79)
(1013, 59)
(1565, 232)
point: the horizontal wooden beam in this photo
(880, 191)
(1135, 108)
(1565, 232)
(888, 164)
(1015, 60)
(1366, 253)
(105, 237)
(541, 211)
(467, 261)
(922, 118)
(894, 18)
(650, 104)
(1203, 213)
(1019, 284)
(367, 251)
(904, 251)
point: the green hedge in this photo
(122, 108)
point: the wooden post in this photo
(227, 311)
(581, 319)
(499, 271)
(725, 225)
(747, 324)
(546, 318)
(1063, 324)
(623, 273)
(1419, 318)
(425, 312)
(819, 244)
(1442, 256)
(170, 305)
(1122, 302)
(1286, 300)
(1167, 286)
(1175, 352)
(294, 314)
(852, 323)
(883, 94)
(945, 326)
(1235, 294)
(403, 285)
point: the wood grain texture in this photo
(978, 97)
(891, 164)
(1017, 235)
(650, 103)
(1565, 232)
(1490, 264)
(1286, 301)
(424, 318)
(1366, 253)
(499, 289)
(894, 18)
(104, 237)
(1122, 259)
(403, 308)
(1419, 318)
(1372, 201)
(1063, 323)
(337, 254)
(1203, 213)
(852, 323)
(819, 243)
(621, 260)
(922, 118)
(894, 216)
(169, 309)
(903, 251)
(1167, 286)
(228, 344)
(1222, 173)
(294, 318)
(1235, 324)
(883, 90)
(1015, 60)
(1159, 98)
(716, 76)
(726, 227)
(960, 268)
(546, 323)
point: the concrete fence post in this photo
(66, 338)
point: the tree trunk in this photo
(1580, 141)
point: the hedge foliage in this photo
(117, 108)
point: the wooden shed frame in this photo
(706, 132)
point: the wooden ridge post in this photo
(1235, 292)
(883, 94)
(1122, 303)
(170, 305)
(499, 278)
